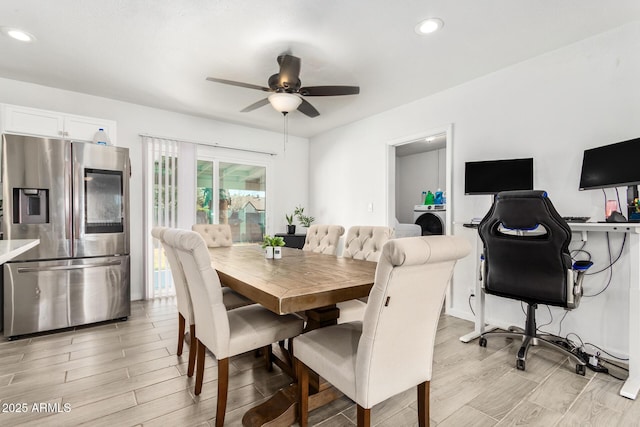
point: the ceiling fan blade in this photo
(329, 90)
(232, 83)
(308, 109)
(289, 71)
(255, 105)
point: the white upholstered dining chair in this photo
(391, 350)
(219, 236)
(323, 239)
(365, 243)
(214, 235)
(225, 333)
(183, 299)
(230, 299)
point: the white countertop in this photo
(10, 249)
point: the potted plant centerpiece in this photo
(272, 247)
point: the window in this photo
(238, 197)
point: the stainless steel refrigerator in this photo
(74, 197)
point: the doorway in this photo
(416, 164)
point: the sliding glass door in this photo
(234, 193)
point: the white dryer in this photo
(431, 218)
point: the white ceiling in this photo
(159, 52)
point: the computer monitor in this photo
(614, 165)
(494, 176)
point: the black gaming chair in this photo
(526, 257)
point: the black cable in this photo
(606, 352)
(470, 296)
(611, 263)
(572, 343)
(548, 323)
(605, 203)
(624, 240)
(579, 250)
(562, 320)
(618, 197)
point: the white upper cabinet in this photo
(33, 121)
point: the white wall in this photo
(414, 174)
(551, 108)
(290, 174)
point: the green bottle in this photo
(429, 200)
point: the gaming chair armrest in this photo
(574, 282)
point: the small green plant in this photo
(272, 241)
(289, 219)
(305, 220)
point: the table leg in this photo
(281, 409)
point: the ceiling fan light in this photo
(18, 34)
(284, 102)
(429, 26)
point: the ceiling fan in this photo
(286, 88)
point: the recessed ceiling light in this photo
(429, 26)
(18, 34)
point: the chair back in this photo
(395, 351)
(366, 242)
(214, 235)
(526, 249)
(205, 288)
(323, 239)
(183, 298)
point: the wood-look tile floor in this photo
(128, 374)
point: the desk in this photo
(300, 281)
(632, 250)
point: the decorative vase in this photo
(268, 252)
(277, 252)
(291, 229)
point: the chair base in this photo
(531, 338)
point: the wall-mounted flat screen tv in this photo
(614, 165)
(494, 176)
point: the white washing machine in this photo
(431, 218)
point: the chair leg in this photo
(423, 404)
(268, 352)
(193, 349)
(181, 325)
(223, 387)
(200, 366)
(364, 417)
(303, 393)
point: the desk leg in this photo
(632, 384)
(480, 327)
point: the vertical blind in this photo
(161, 202)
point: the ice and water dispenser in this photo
(30, 206)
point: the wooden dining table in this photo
(301, 282)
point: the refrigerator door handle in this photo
(68, 267)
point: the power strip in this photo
(592, 361)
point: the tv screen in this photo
(494, 176)
(613, 165)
